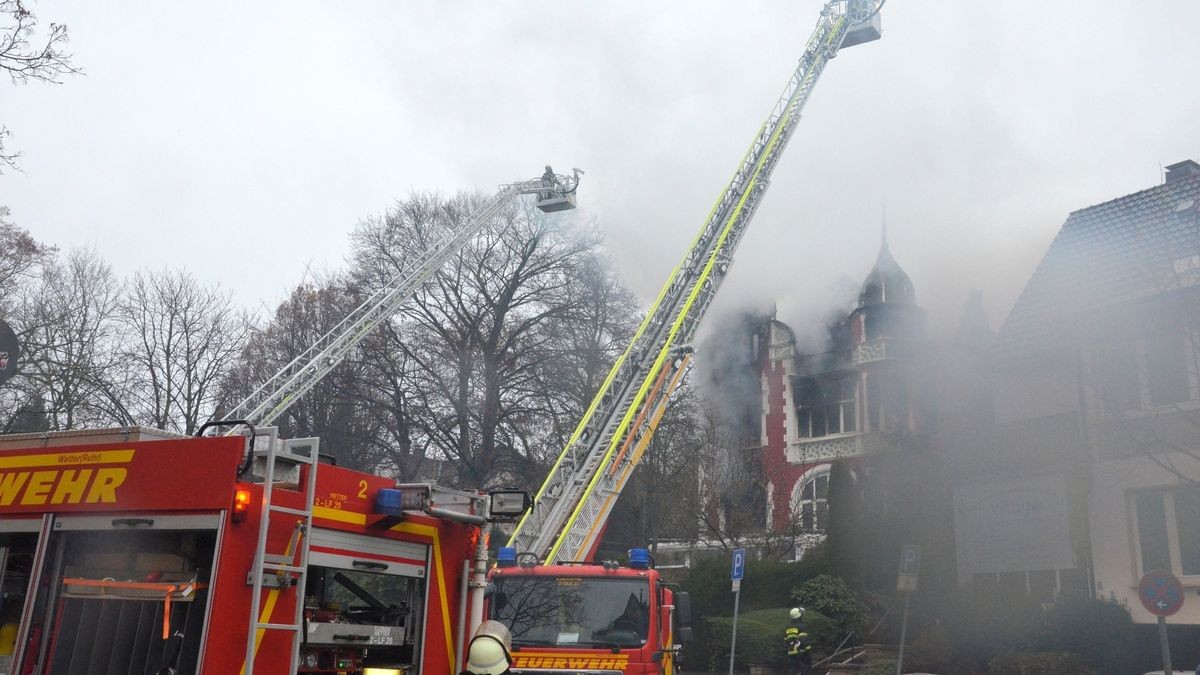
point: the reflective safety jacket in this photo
(797, 640)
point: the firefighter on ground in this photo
(490, 651)
(799, 645)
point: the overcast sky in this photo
(243, 141)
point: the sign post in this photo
(735, 574)
(1162, 595)
(906, 583)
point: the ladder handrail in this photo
(297, 548)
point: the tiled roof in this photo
(1130, 247)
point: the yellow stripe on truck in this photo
(67, 458)
(265, 617)
(439, 569)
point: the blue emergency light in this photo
(389, 502)
(395, 501)
(639, 558)
(506, 556)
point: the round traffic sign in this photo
(1161, 593)
(9, 352)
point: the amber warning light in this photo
(241, 505)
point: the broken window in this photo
(827, 408)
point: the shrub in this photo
(983, 625)
(832, 597)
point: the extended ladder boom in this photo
(573, 504)
(278, 393)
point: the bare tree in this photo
(71, 341)
(602, 319)
(395, 408)
(339, 408)
(480, 336)
(181, 340)
(25, 59)
(20, 257)
(21, 262)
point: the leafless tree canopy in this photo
(20, 257)
(481, 377)
(181, 339)
(345, 410)
(97, 351)
(509, 339)
(70, 337)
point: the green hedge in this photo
(766, 584)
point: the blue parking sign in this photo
(910, 560)
(739, 564)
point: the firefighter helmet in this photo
(488, 653)
(796, 612)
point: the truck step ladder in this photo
(277, 464)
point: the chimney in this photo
(1180, 170)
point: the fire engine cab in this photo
(131, 551)
(602, 617)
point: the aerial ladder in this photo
(278, 459)
(555, 192)
(573, 504)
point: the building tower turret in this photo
(884, 330)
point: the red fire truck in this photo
(590, 617)
(567, 615)
(125, 551)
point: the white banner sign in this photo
(1012, 526)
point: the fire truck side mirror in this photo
(684, 635)
(683, 608)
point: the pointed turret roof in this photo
(887, 282)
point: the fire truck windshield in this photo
(573, 611)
